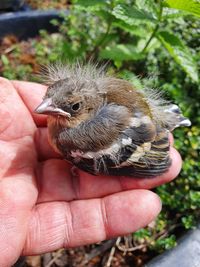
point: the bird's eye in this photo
(76, 106)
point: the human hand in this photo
(43, 207)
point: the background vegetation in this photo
(152, 43)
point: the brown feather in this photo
(132, 98)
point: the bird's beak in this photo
(47, 108)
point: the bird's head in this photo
(71, 100)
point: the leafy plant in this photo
(124, 31)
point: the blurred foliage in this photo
(151, 43)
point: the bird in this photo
(104, 125)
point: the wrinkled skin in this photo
(42, 206)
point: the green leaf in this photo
(167, 242)
(195, 197)
(90, 2)
(104, 14)
(188, 221)
(136, 30)
(191, 6)
(142, 233)
(148, 5)
(129, 14)
(121, 52)
(4, 60)
(180, 53)
(169, 13)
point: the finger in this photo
(58, 182)
(18, 194)
(17, 197)
(16, 121)
(32, 94)
(44, 150)
(59, 224)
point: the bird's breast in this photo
(55, 125)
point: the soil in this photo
(98, 255)
(48, 4)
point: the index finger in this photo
(77, 184)
(32, 94)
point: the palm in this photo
(43, 206)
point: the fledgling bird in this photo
(104, 125)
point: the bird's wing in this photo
(141, 151)
(146, 156)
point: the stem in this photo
(156, 27)
(102, 40)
